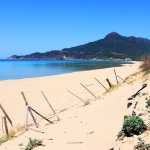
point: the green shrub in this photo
(148, 101)
(133, 125)
(141, 145)
(33, 143)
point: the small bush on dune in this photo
(133, 125)
(141, 145)
(33, 143)
(148, 101)
(145, 62)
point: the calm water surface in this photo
(18, 69)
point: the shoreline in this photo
(33, 72)
(120, 65)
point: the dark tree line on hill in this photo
(113, 46)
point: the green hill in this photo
(113, 46)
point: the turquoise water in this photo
(18, 69)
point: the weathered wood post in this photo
(40, 115)
(101, 84)
(109, 82)
(26, 103)
(50, 105)
(6, 115)
(88, 90)
(122, 79)
(76, 96)
(26, 125)
(2, 124)
(116, 76)
(6, 127)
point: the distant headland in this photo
(113, 47)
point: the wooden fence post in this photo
(109, 82)
(6, 115)
(88, 90)
(26, 126)
(6, 127)
(76, 96)
(50, 105)
(2, 124)
(101, 84)
(122, 79)
(26, 103)
(40, 115)
(116, 75)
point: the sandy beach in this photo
(81, 126)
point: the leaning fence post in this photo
(2, 124)
(26, 126)
(116, 75)
(88, 90)
(122, 79)
(6, 115)
(101, 84)
(40, 115)
(6, 127)
(50, 105)
(76, 96)
(109, 82)
(29, 109)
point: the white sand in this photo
(91, 127)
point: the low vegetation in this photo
(133, 125)
(12, 133)
(6, 137)
(141, 145)
(148, 101)
(113, 87)
(33, 143)
(145, 62)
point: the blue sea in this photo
(18, 69)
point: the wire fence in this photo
(16, 107)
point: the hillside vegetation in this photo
(113, 46)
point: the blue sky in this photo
(28, 26)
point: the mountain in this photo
(113, 46)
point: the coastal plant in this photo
(146, 73)
(7, 137)
(148, 101)
(2, 140)
(20, 128)
(145, 65)
(113, 87)
(33, 143)
(132, 125)
(141, 145)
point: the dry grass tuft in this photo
(86, 103)
(113, 87)
(12, 133)
(20, 128)
(5, 137)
